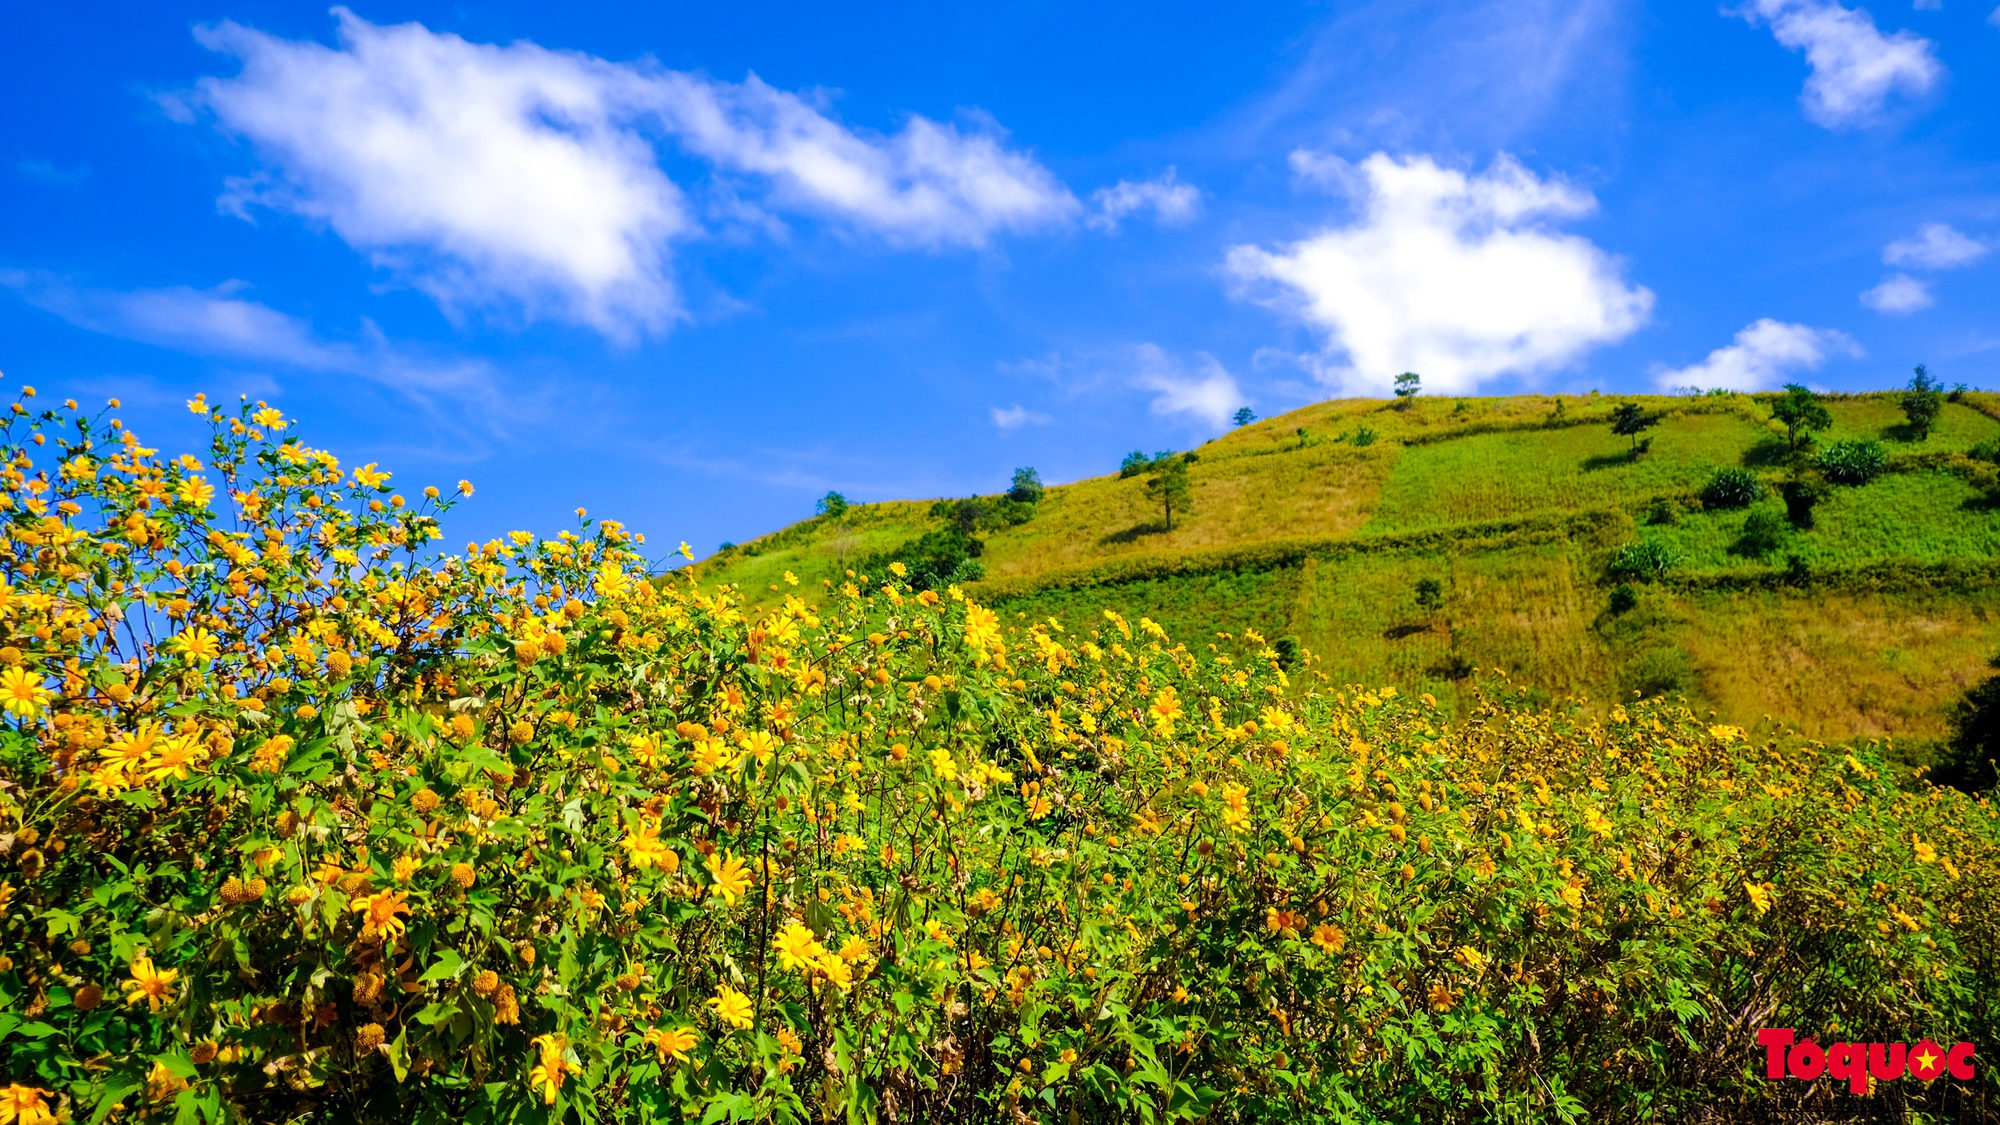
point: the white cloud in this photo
(1171, 202)
(1928, 5)
(1016, 416)
(1855, 68)
(1451, 275)
(1761, 356)
(1208, 394)
(1936, 246)
(1898, 293)
(1993, 17)
(219, 322)
(929, 184)
(488, 173)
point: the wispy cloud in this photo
(1458, 277)
(1434, 75)
(517, 174)
(1855, 68)
(1761, 356)
(1170, 201)
(222, 323)
(35, 168)
(1204, 390)
(1015, 416)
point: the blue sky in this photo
(692, 266)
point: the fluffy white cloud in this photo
(1208, 393)
(1898, 293)
(1936, 246)
(220, 322)
(1458, 277)
(1855, 68)
(1761, 356)
(485, 172)
(1170, 202)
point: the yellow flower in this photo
(732, 878)
(675, 1043)
(379, 921)
(836, 969)
(367, 477)
(943, 766)
(982, 627)
(547, 1074)
(643, 844)
(154, 986)
(759, 744)
(173, 757)
(25, 1105)
(1596, 822)
(405, 866)
(1925, 852)
(645, 749)
(1469, 957)
(22, 693)
(1329, 937)
(854, 949)
(1236, 810)
(1760, 896)
(709, 754)
(797, 947)
(198, 645)
(195, 491)
(1166, 705)
(731, 1006)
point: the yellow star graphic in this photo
(1926, 1061)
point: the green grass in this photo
(1296, 532)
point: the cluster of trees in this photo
(950, 554)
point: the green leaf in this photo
(448, 966)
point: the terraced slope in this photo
(1864, 625)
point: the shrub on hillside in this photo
(308, 823)
(1853, 461)
(1731, 488)
(931, 561)
(1646, 560)
(1764, 531)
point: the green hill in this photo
(1865, 624)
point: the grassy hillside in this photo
(1516, 506)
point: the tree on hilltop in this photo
(1801, 412)
(1027, 486)
(1921, 403)
(1408, 385)
(832, 504)
(1244, 416)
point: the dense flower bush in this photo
(302, 820)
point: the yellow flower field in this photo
(303, 818)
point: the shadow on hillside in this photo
(1766, 454)
(1609, 460)
(1133, 534)
(1901, 431)
(1408, 629)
